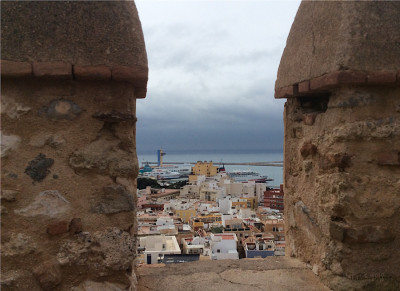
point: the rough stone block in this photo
(19, 280)
(19, 244)
(309, 119)
(75, 226)
(304, 86)
(104, 156)
(284, 92)
(12, 108)
(61, 109)
(135, 75)
(48, 273)
(338, 160)
(9, 195)
(113, 199)
(92, 72)
(308, 149)
(54, 141)
(38, 168)
(297, 132)
(336, 231)
(114, 117)
(49, 203)
(103, 286)
(388, 158)
(58, 227)
(369, 234)
(382, 77)
(140, 92)
(15, 69)
(59, 70)
(114, 250)
(338, 78)
(9, 143)
(3, 210)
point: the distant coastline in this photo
(212, 151)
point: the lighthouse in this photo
(160, 154)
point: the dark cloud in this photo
(212, 68)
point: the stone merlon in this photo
(326, 48)
(54, 41)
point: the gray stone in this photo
(8, 143)
(13, 109)
(112, 249)
(49, 203)
(38, 168)
(18, 245)
(61, 109)
(113, 199)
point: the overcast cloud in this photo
(212, 70)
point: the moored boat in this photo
(247, 175)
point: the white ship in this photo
(247, 175)
(183, 170)
(162, 174)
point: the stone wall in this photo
(342, 169)
(342, 143)
(68, 154)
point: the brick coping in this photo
(136, 75)
(338, 78)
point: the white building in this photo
(190, 190)
(196, 245)
(248, 189)
(154, 248)
(205, 208)
(212, 194)
(225, 205)
(178, 204)
(246, 213)
(223, 246)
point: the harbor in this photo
(261, 164)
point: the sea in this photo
(219, 158)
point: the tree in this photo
(142, 183)
(177, 185)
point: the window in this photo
(218, 250)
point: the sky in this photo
(212, 70)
